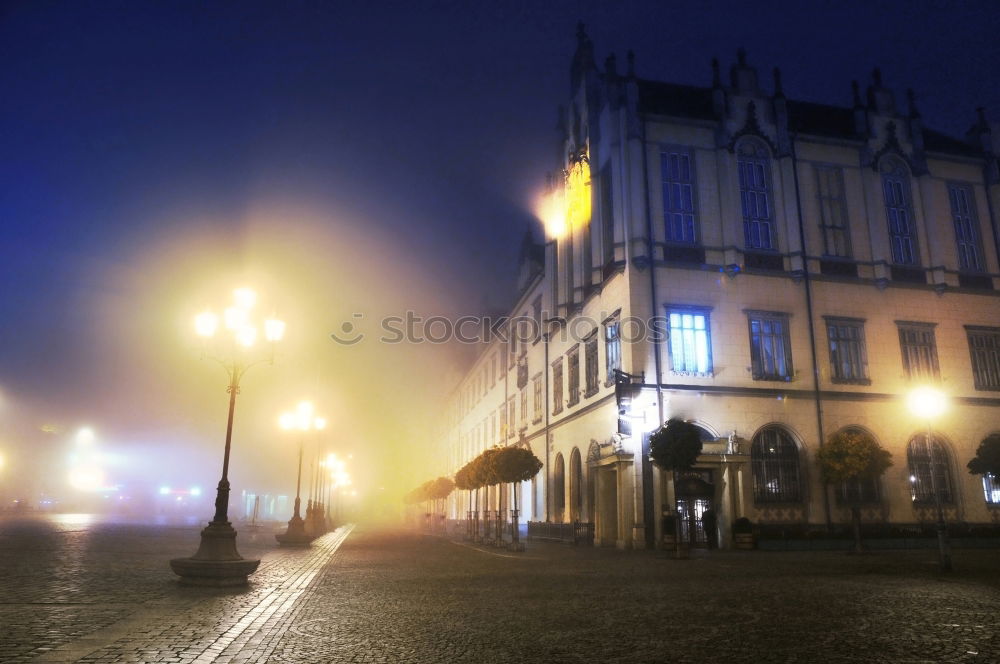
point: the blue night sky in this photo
(129, 125)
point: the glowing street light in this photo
(928, 403)
(301, 420)
(217, 562)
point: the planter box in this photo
(743, 541)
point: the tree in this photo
(853, 455)
(987, 459)
(675, 445)
(514, 465)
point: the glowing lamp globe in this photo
(927, 402)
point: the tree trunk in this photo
(856, 526)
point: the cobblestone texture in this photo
(103, 594)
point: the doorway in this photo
(695, 492)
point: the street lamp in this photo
(928, 403)
(300, 420)
(217, 562)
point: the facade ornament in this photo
(751, 127)
(733, 443)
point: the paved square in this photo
(103, 593)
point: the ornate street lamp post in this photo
(927, 404)
(301, 420)
(217, 562)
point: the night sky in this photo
(387, 154)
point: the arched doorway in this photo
(576, 512)
(559, 489)
(695, 494)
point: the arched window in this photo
(899, 212)
(774, 459)
(929, 471)
(559, 488)
(576, 486)
(991, 489)
(858, 491)
(754, 164)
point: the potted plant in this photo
(743, 533)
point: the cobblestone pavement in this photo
(380, 596)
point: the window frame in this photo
(691, 183)
(612, 361)
(752, 155)
(756, 352)
(992, 384)
(922, 489)
(690, 310)
(786, 469)
(971, 218)
(825, 201)
(894, 171)
(917, 372)
(836, 373)
(573, 375)
(557, 386)
(591, 365)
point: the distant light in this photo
(206, 323)
(86, 478)
(245, 298)
(85, 436)
(927, 402)
(195, 491)
(319, 423)
(274, 329)
(303, 414)
(287, 421)
(246, 336)
(164, 490)
(235, 318)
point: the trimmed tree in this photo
(987, 459)
(675, 446)
(514, 465)
(853, 456)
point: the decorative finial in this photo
(778, 92)
(630, 59)
(856, 89)
(611, 65)
(716, 77)
(741, 56)
(911, 97)
(877, 77)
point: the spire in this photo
(583, 59)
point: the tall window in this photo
(929, 471)
(557, 386)
(920, 360)
(524, 406)
(832, 211)
(690, 341)
(991, 489)
(984, 346)
(848, 355)
(503, 421)
(536, 388)
(678, 196)
(774, 460)
(899, 212)
(493, 428)
(963, 213)
(559, 488)
(511, 417)
(573, 375)
(753, 163)
(613, 347)
(592, 370)
(770, 346)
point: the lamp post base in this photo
(217, 563)
(295, 535)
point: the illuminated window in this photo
(848, 355)
(898, 212)
(774, 460)
(557, 386)
(613, 348)
(753, 163)
(991, 489)
(678, 196)
(984, 346)
(690, 341)
(592, 370)
(832, 211)
(573, 375)
(770, 346)
(919, 349)
(929, 471)
(963, 213)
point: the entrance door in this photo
(694, 492)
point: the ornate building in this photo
(774, 271)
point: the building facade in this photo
(773, 271)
